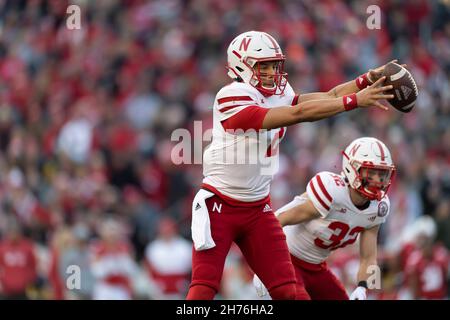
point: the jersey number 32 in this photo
(340, 231)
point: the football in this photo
(404, 87)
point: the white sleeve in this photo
(298, 200)
(320, 191)
(290, 96)
(232, 99)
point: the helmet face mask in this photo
(368, 167)
(247, 52)
(375, 180)
(278, 77)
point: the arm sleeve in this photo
(320, 191)
(251, 117)
(298, 200)
(292, 98)
(295, 100)
(231, 100)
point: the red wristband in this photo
(350, 102)
(362, 81)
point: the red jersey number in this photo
(340, 231)
(339, 181)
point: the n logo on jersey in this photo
(217, 207)
(245, 43)
(382, 209)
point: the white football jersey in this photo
(238, 165)
(341, 220)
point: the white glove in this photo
(360, 293)
(261, 290)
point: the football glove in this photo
(360, 293)
(261, 290)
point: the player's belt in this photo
(307, 265)
(234, 202)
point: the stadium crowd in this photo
(86, 117)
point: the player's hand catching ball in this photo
(374, 74)
(371, 95)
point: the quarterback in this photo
(333, 211)
(233, 204)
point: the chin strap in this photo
(379, 195)
(372, 195)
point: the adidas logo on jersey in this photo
(371, 219)
(267, 208)
(198, 206)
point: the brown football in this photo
(405, 89)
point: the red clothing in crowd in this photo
(430, 273)
(17, 266)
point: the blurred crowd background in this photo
(87, 185)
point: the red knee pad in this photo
(201, 292)
(284, 292)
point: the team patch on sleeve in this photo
(319, 195)
(383, 209)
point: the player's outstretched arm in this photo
(348, 87)
(368, 258)
(298, 214)
(319, 109)
(341, 90)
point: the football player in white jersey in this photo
(331, 214)
(233, 204)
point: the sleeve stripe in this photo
(295, 100)
(250, 117)
(318, 198)
(235, 98)
(230, 107)
(324, 191)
